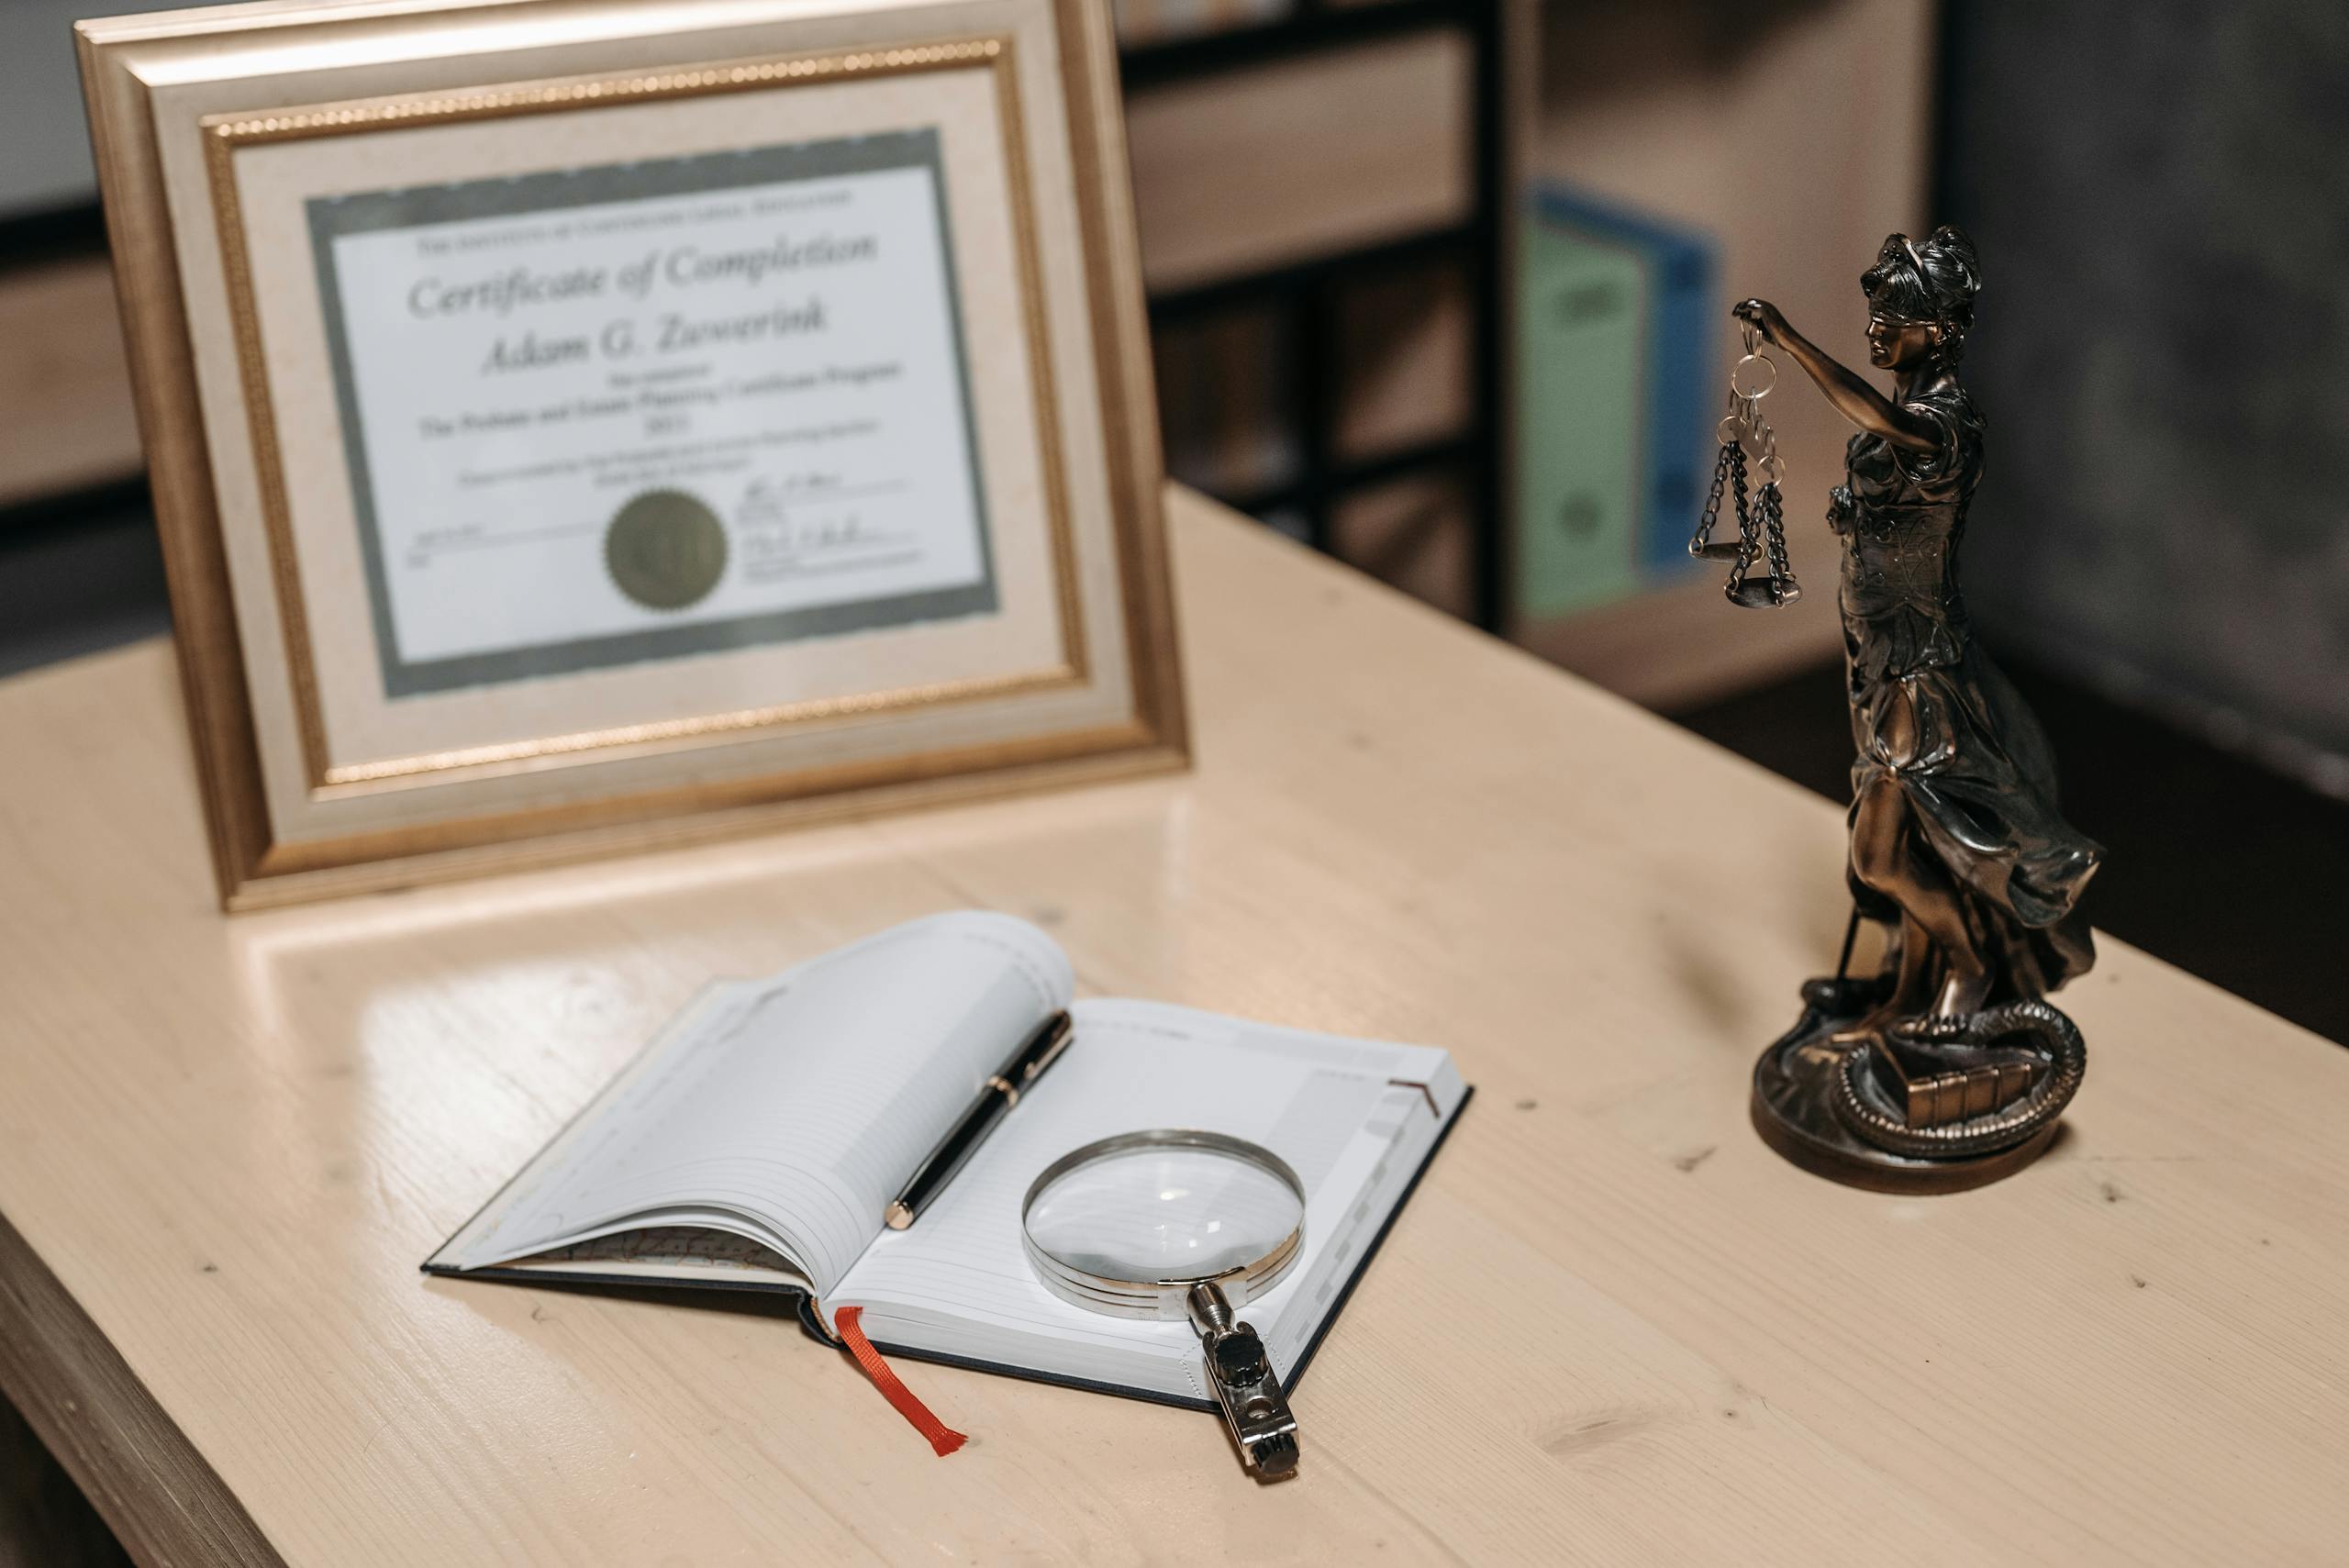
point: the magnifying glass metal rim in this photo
(1162, 1298)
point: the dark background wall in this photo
(2162, 348)
(2159, 551)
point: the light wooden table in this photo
(1611, 1328)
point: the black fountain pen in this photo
(1001, 1092)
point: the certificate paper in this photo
(651, 410)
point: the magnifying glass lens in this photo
(1180, 1223)
(1163, 1214)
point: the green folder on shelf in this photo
(1615, 322)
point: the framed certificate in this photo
(580, 425)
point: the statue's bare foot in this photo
(1910, 996)
(1963, 991)
(1870, 1028)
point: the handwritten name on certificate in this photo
(654, 410)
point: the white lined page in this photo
(797, 1105)
(959, 1282)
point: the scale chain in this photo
(1761, 519)
(1773, 535)
(1711, 517)
(1744, 521)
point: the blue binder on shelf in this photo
(1619, 323)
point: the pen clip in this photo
(1063, 1031)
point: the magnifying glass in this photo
(1180, 1224)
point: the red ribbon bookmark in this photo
(943, 1439)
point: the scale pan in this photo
(1765, 593)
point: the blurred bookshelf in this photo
(1334, 199)
(1141, 23)
(1323, 193)
(1787, 137)
(69, 440)
(1341, 224)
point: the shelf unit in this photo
(1800, 142)
(1305, 296)
(1798, 138)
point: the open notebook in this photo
(756, 1143)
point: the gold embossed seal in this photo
(665, 550)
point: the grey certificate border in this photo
(421, 205)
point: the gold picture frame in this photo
(323, 775)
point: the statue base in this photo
(1804, 1098)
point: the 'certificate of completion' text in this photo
(654, 410)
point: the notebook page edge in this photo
(709, 996)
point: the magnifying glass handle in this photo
(1253, 1405)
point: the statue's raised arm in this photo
(1854, 398)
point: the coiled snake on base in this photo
(2003, 1128)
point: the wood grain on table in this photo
(1611, 1327)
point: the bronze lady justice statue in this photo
(1949, 1068)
